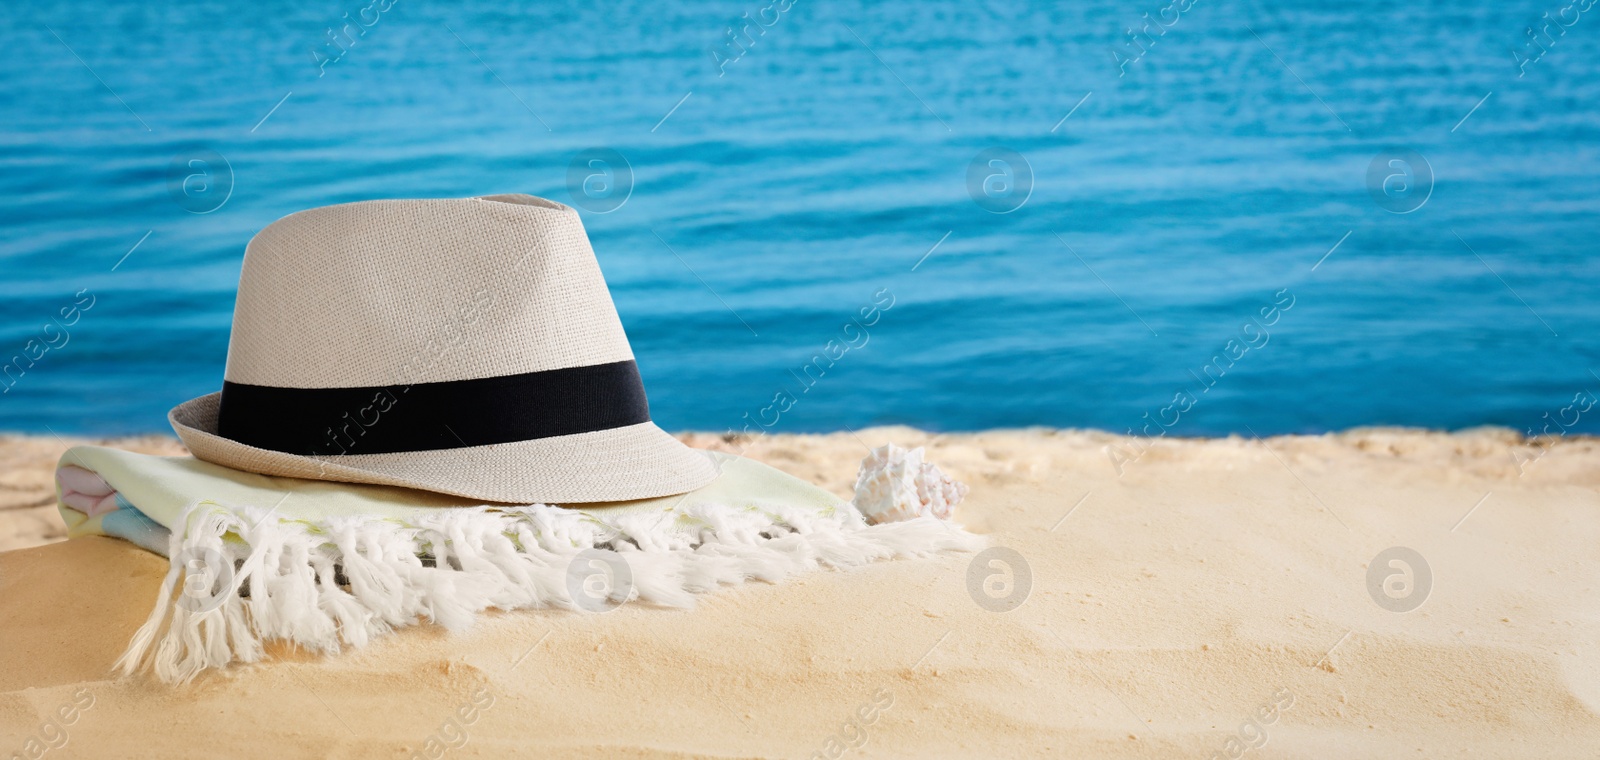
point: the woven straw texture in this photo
(382, 293)
(414, 291)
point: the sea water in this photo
(1181, 213)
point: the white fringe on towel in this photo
(448, 566)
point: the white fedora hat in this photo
(465, 346)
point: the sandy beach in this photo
(1211, 600)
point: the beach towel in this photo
(324, 565)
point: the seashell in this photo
(895, 484)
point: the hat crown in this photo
(398, 292)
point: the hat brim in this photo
(622, 464)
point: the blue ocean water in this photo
(787, 163)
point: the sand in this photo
(1212, 600)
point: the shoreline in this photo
(28, 514)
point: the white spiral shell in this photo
(895, 484)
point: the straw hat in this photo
(465, 346)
